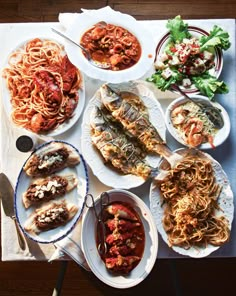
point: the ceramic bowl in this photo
(220, 135)
(84, 21)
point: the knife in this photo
(7, 196)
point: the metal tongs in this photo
(103, 201)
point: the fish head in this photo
(97, 120)
(111, 99)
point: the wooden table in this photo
(169, 277)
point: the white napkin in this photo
(71, 245)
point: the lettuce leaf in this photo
(178, 29)
(209, 85)
(217, 37)
(164, 84)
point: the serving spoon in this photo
(87, 53)
(213, 113)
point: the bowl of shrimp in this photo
(191, 127)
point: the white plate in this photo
(76, 196)
(67, 124)
(195, 32)
(140, 272)
(220, 136)
(104, 173)
(86, 20)
(225, 202)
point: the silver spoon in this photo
(87, 53)
(213, 113)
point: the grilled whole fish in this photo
(115, 146)
(136, 122)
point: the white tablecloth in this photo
(11, 35)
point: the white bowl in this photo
(86, 20)
(220, 136)
(195, 32)
(88, 240)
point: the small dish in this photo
(84, 21)
(75, 196)
(197, 33)
(219, 136)
(144, 267)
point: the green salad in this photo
(187, 60)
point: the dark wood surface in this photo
(169, 277)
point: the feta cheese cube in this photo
(167, 73)
(207, 55)
(186, 82)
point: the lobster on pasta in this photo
(190, 193)
(43, 85)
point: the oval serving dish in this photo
(106, 174)
(75, 196)
(89, 244)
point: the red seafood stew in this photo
(113, 45)
(125, 237)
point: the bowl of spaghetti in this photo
(191, 127)
(121, 42)
(43, 91)
(193, 206)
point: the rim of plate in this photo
(37, 240)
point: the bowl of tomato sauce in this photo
(113, 38)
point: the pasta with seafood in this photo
(191, 216)
(43, 85)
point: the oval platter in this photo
(105, 173)
(75, 196)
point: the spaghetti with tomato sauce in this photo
(43, 85)
(112, 45)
